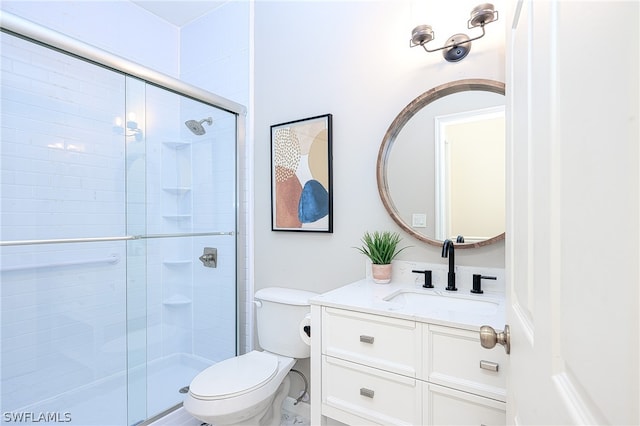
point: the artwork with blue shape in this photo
(314, 202)
(301, 184)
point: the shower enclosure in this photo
(109, 203)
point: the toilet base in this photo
(265, 413)
(273, 415)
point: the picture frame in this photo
(301, 175)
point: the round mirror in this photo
(441, 165)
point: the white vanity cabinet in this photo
(370, 366)
(379, 369)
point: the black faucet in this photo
(449, 251)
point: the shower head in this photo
(196, 126)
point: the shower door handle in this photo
(210, 257)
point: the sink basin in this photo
(421, 301)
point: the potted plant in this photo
(381, 248)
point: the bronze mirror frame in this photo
(398, 124)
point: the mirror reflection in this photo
(441, 166)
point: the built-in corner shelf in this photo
(185, 262)
(177, 217)
(177, 300)
(179, 190)
(176, 145)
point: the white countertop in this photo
(369, 297)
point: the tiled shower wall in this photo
(58, 152)
(215, 54)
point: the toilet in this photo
(249, 389)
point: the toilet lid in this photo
(234, 376)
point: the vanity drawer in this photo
(386, 343)
(456, 359)
(445, 406)
(375, 395)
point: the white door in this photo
(573, 231)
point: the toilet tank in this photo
(279, 313)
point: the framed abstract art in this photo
(301, 175)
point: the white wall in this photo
(214, 51)
(119, 27)
(350, 59)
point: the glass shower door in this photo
(190, 209)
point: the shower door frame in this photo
(35, 33)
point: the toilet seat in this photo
(234, 376)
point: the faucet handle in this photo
(427, 278)
(477, 284)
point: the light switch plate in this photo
(419, 220)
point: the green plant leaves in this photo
(380, 247)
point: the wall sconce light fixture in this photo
(458, 45)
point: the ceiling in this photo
(178, 13)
